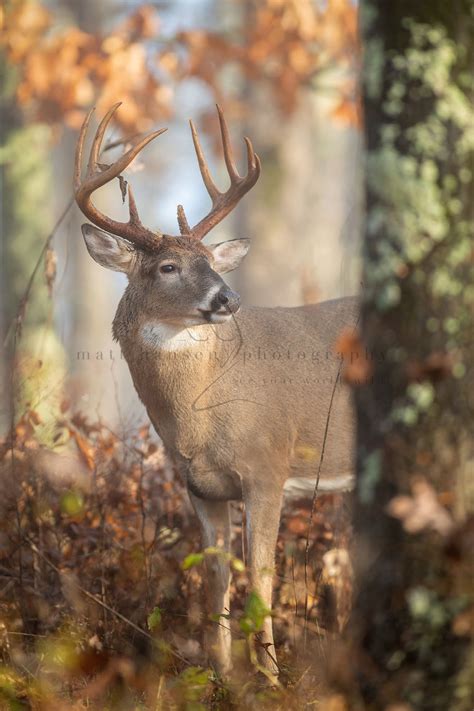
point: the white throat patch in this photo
(173, 338)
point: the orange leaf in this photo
(85, 450)
(357, 367)
(348, 112)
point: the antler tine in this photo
(80, 150)
(101, 177)
(228, 155)
(203, 167)
(222, 202)
(253, 161)
(97, 142)
(183, 223)
(133, 230)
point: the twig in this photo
(121, 141)
(296, 597)
(16, 321)
(272, 678)
(141, 503)
(315, 493)
(313, 502)
(158, 704)
(97, 600)
(26, 294)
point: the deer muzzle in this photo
(225, 300)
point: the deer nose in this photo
(228, 298)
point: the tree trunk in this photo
(304, 215)
(24, 217)
(415, 415)
(87, 295)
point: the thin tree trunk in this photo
(24, 217)
(88, 294)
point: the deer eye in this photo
(167, 268)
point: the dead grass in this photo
(97, 611)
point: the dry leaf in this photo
(422, 510)
(85, 449)
(357, 367)
(349, 112)
(437, 366)
(50, 268)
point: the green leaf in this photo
(72, 503)
(193, 682)
(254, 614)
(237, 565)
(191, 560)
(213, 550)
(195, 676)
(154, 618)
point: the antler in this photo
(222, 203)
(98, 175)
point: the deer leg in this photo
(214, 517)
(263, 508)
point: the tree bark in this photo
(24, 219)
(415, 415)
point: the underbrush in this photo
(102, 584)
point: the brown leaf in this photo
(50, 267)
(437, 366)
(348, 112)
(143, 24)
(85, 449)
(65, 405)
(336, 702)
(34, 417)
(460, 543)
(297, 525)
(463, 624)
(123, 187)
(357, 367)
(422, 510)
(144, 432)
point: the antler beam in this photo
(222, 203)
(133, 230)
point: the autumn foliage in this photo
(282, 46)
(102, 581)
(63, 72)
(100, 560)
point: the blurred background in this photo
(101, 583)
(100, 562)
(285, 72)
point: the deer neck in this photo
(171, 368)
(171, 361)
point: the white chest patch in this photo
(171, 338)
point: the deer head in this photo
(178, 279)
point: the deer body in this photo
(243, 399)
(252, 394)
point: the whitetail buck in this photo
(243, 398)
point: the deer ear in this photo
(107, 250)
(228, 255)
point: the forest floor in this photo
(102, 585)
